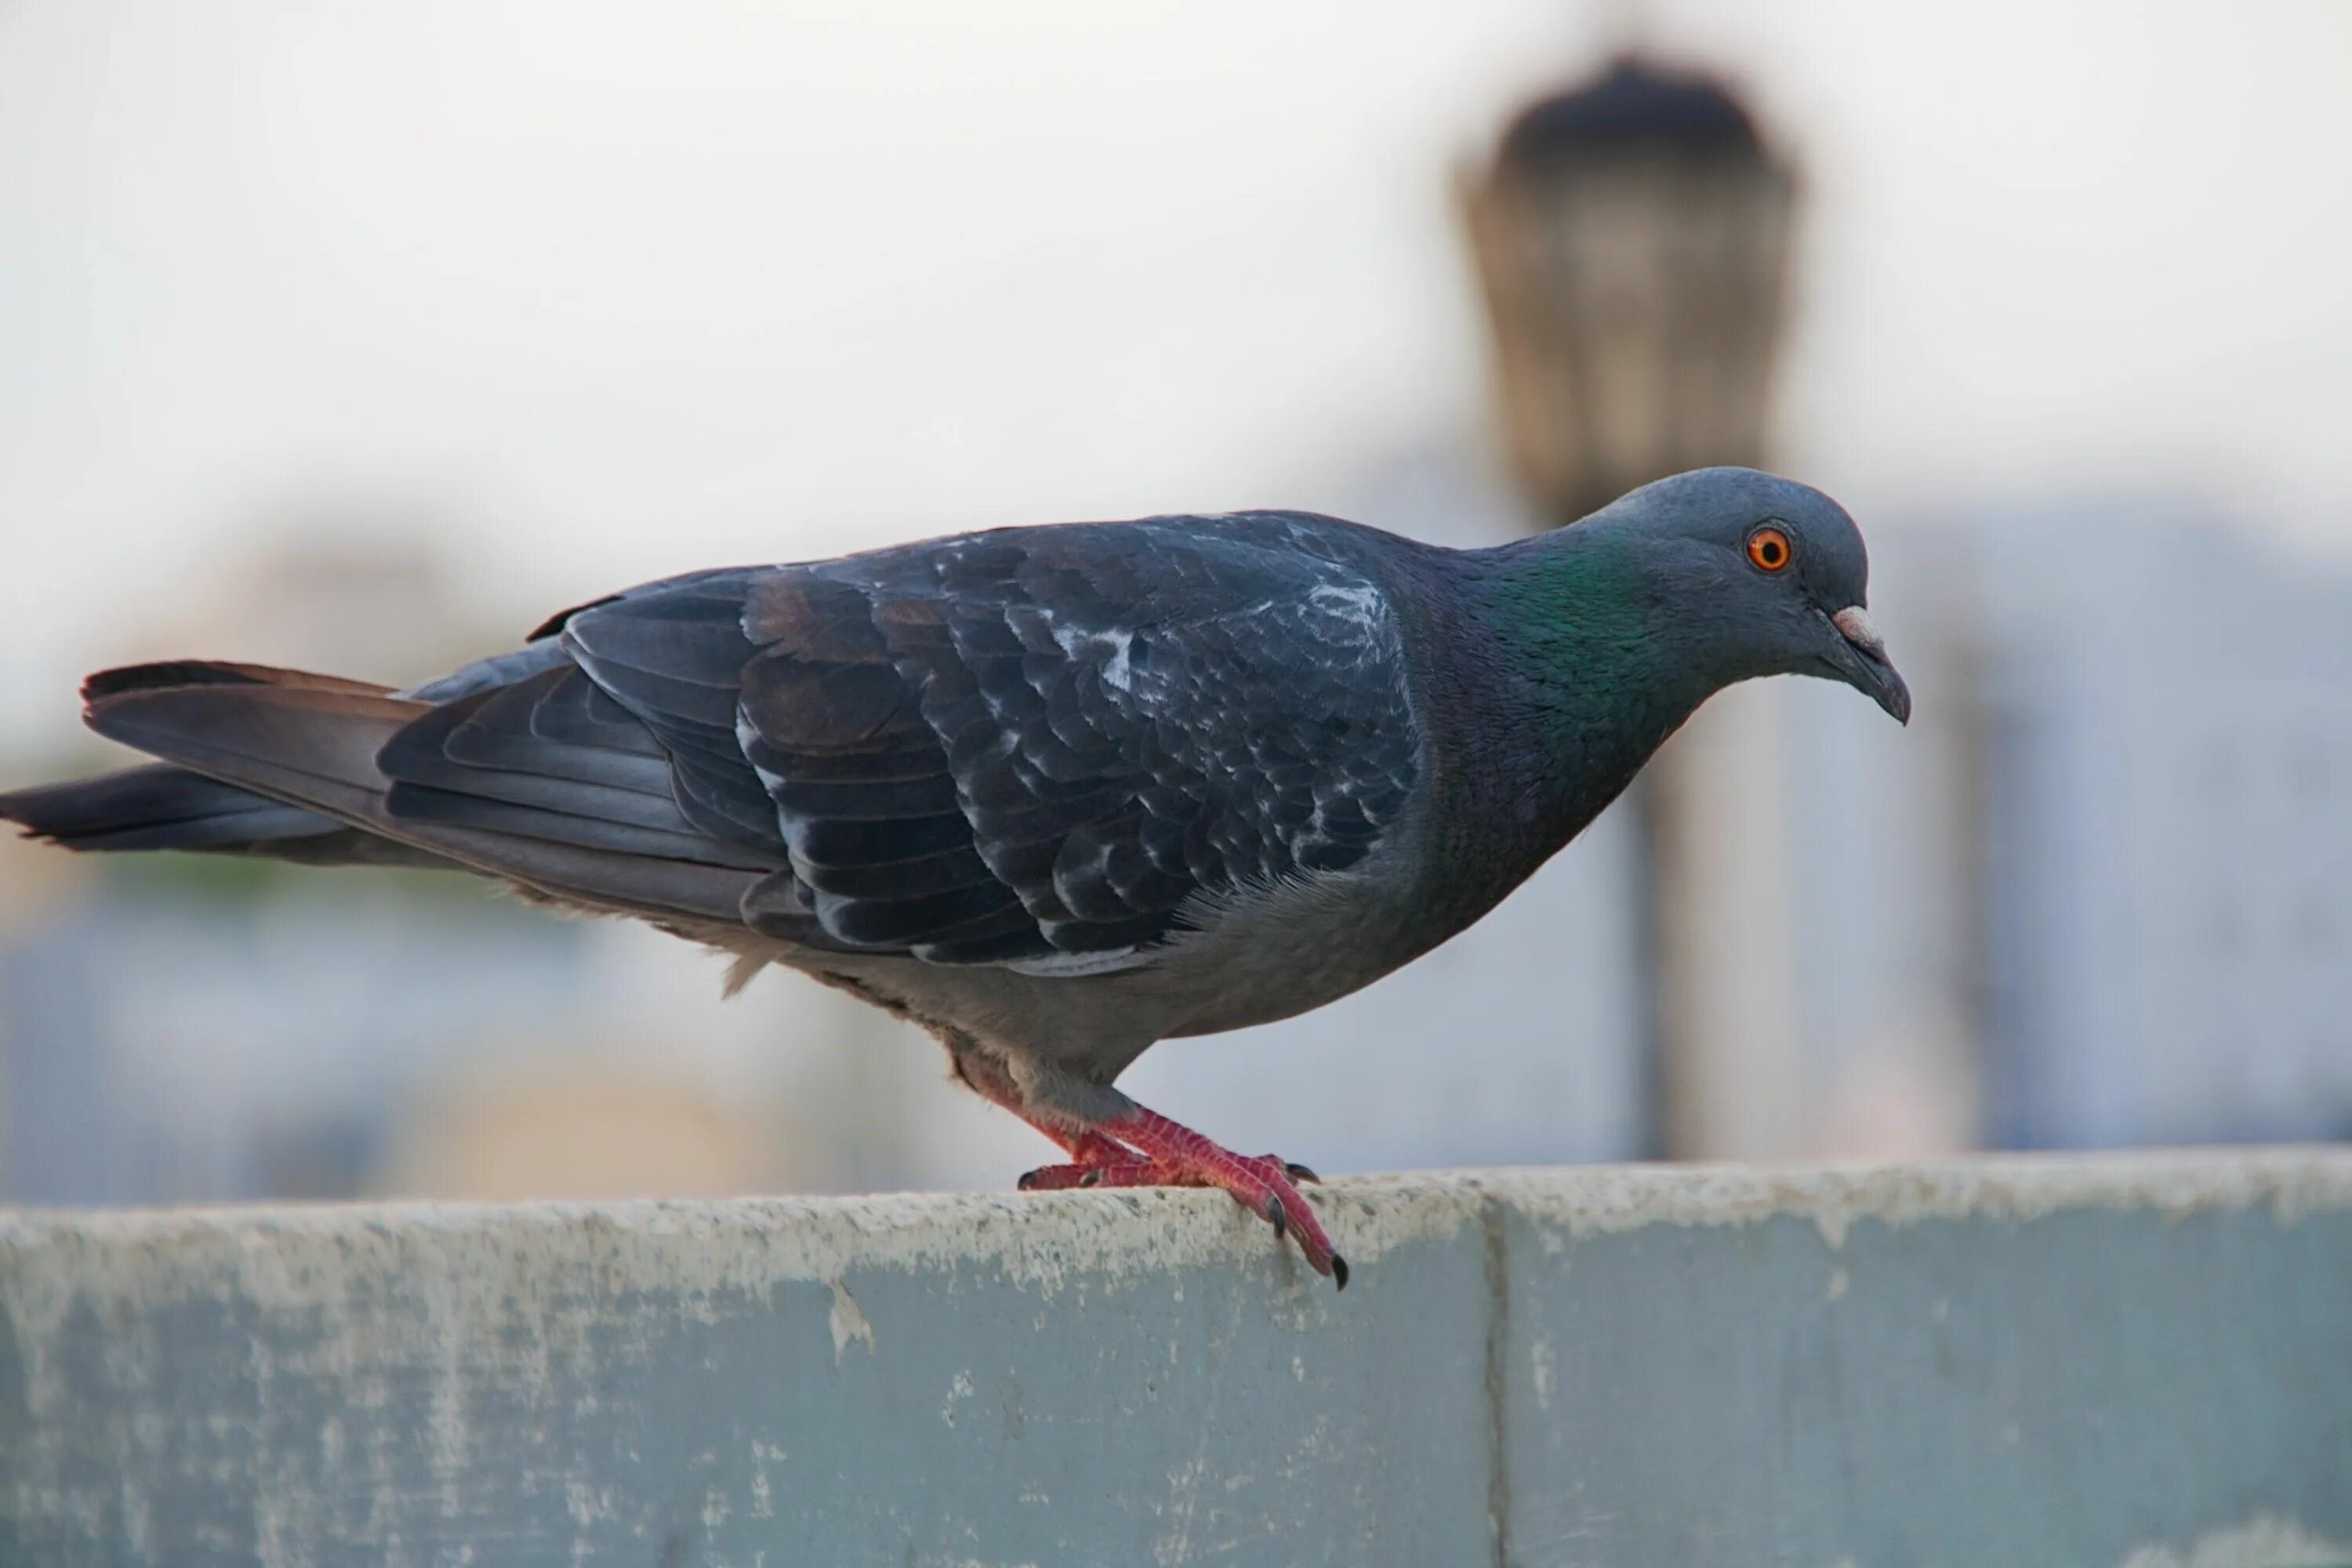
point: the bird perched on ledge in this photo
(1054, 793)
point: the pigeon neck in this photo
(1600, 665)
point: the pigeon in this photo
(1054, 793)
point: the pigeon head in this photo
(1772, 575)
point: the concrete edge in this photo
(1041, 1239)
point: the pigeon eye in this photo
(1770, 549)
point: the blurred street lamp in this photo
(1632, 237)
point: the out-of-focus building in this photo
(339, 581)
(175, 1033)
(2168, 829)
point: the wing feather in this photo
(1106, 722)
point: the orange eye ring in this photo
(1770, 550)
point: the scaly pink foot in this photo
(1145, 1149)
(1091, 1153)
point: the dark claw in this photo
(1027, 1182)
(1339, 1271)
(1300, 1173)
(1280, 1216)
(1090, 1178)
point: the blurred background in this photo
(358, 337)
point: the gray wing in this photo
(1033, 747)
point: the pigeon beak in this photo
(1865, 666)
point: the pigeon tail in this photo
(167, 807)
(303, 741)
(318, 745)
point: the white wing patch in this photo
(1117, 670)
(1357, 602)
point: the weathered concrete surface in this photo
(2142, 1361)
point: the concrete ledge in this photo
(2138, 1360)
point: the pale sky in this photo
(620, 291)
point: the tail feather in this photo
(311, 748)
(163, 808)
(279, 742)
(166, 807)
(157, 807)
(178, 672)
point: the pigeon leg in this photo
(1088, 1150)
(1133, 1147)
(1176, 1156)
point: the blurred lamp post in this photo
(1632, 237)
